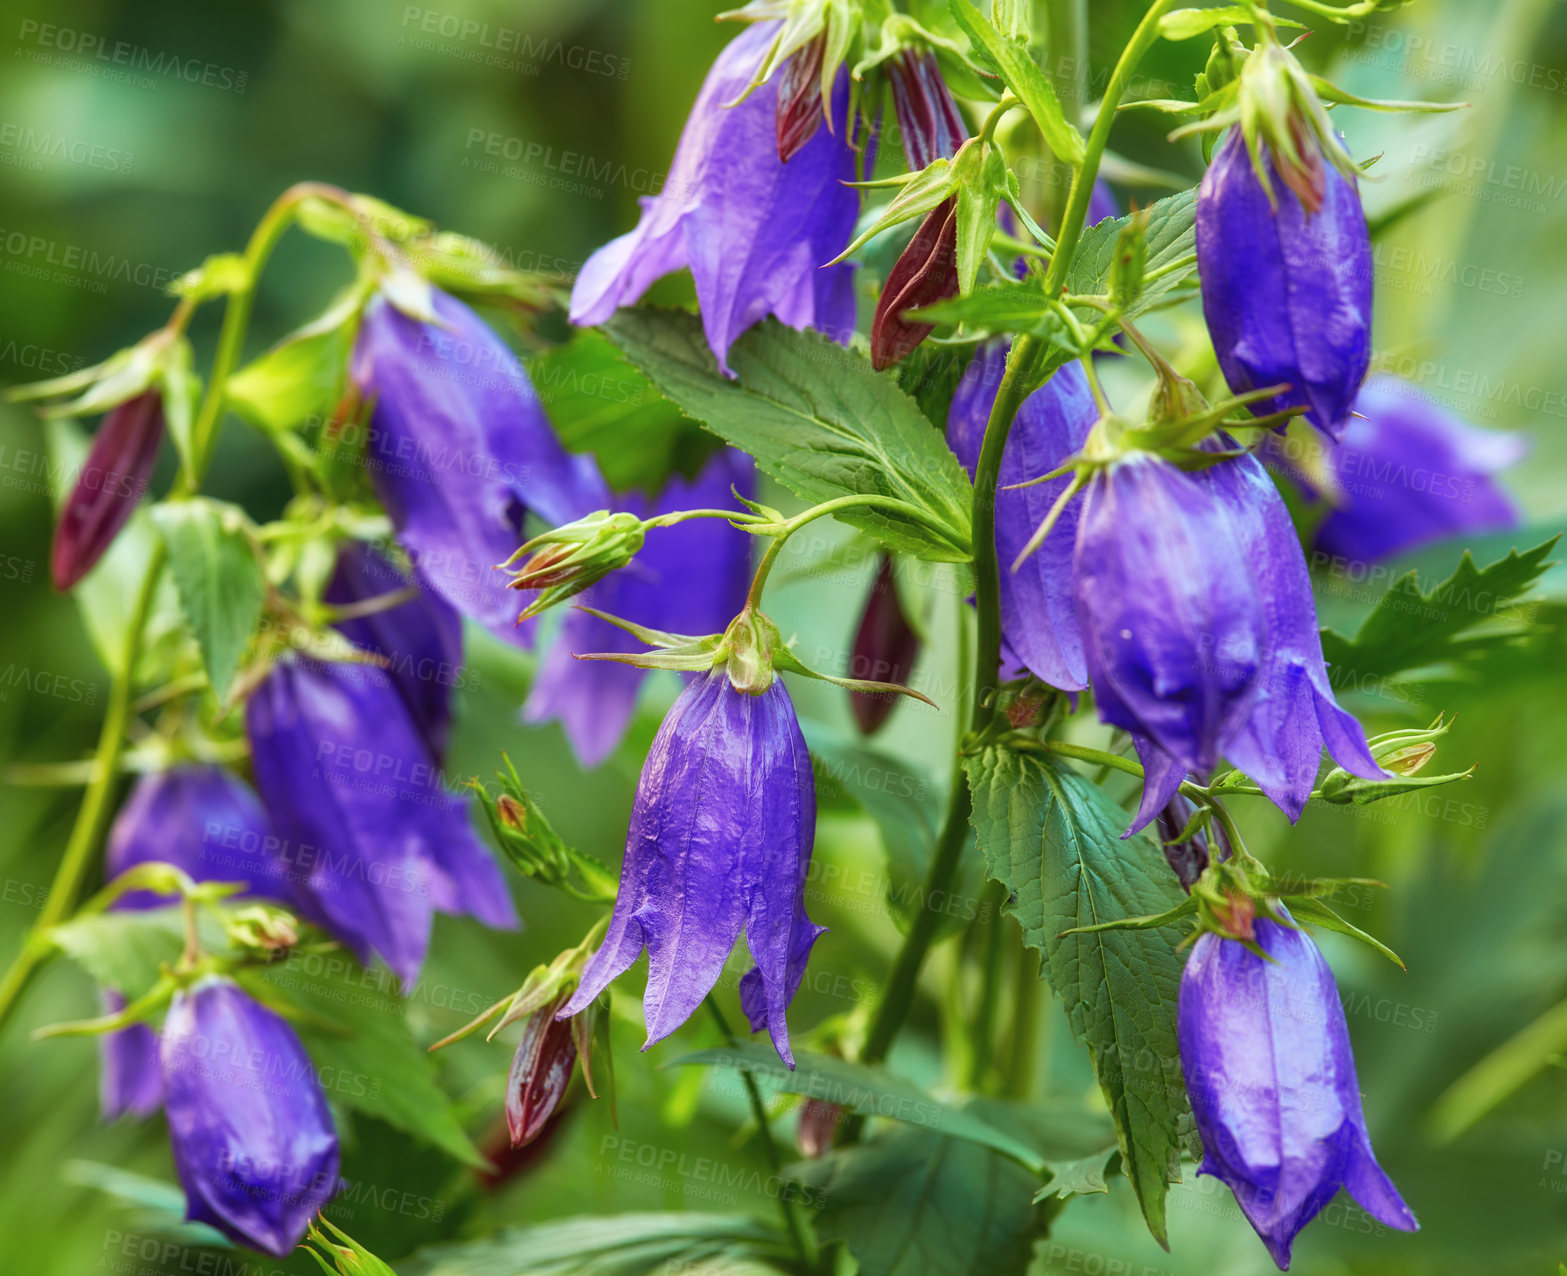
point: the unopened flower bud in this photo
(885, 647)
(925, 273)
(816, 1127)
(565, 561)
(262, 927)
(111, 481)
(928, 118)
(799, 110)
(540, 1071)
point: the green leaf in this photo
(1017, 67)
(916, 1203)
(817, 418)
(598, 404)
(863, 1090)
(1467, 614)
(371, 1063)
(124, 950)
(220, 581)
(299, 380)
(1171, 259)
(610, 1245)
(181, 390)
(1054, 840)
(905, 804)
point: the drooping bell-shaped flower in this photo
(720, 842)
(377, 840)
(753, 230)
(690, 578)
(1286, 288)
(203, 819)
(1039, 625)
(129, 1078)
(1266, 1056)
(420, 639)
(1410, 472)
(1200, 631)
(254, 1144)
(112, 480)
(459, 450)
(885, 648)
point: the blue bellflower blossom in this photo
(690, 578)
(380, 842)
(208, 822)
(1410, 472)
(1200, 631)
(254, 1144)
(753, 230)
(1286, 291)
(720, 842)
(459, 450)
(421, 639)
(1039, 626)
(1266, 1056)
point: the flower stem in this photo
(774, 1160)
(92, 815)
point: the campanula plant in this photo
(1088, 563)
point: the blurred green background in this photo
(112, 182)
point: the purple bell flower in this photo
(459, 450)
(753, 230)
(1271, 1077)
(129, 1079)
(1039, 626)
(1101, 204)
(1286, 289)
(206, 821)
(253, 1140)
(421, 638)
(690, 578)
(1200, 630)
(377, 839)
(203, 819)
(1410, 473)
(720, 842)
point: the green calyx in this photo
(1402, 754)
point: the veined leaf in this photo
(917, 1203)
(817, 418)
(1466, 614)
(1171, 238)
(299, 379)
(220, 581)
(610, 1245)
(863, 1090)
(1054, 840)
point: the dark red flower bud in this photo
(817, 1125)
(1188, 857)
(112, 480)
(884, 650)
(799, 110)
(928, 118)
(926, 273)
(540, 1072)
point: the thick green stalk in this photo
(92, 815)
(1016, 385)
